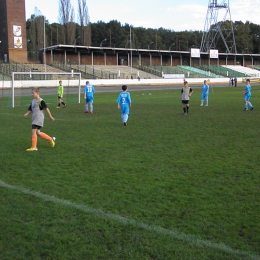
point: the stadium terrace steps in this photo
(112, 72)
(225, 72)
(201, 72)
(8, 68)
(245, 70)
(168, 69)
(256, 67)
(175, 70)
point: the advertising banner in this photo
(195, 53)
(213, 54)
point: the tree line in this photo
(67, 31)
(113, 34)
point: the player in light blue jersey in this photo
(89, 97)
(247, 95)
(124, 103)
(205, 94)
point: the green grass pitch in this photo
(167, 186)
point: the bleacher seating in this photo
(4, 77)
(200, 72)
(7, 68)
(188, 73)
(168, 69)
(115, 72)
(245, 70)
(256, 67)
(225, 72)
(112, 71)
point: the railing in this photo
(150, 70)
(87, 71)
(93, 72)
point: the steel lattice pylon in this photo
(216, 29)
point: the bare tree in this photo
(71, 26)
(66, 19)
(36, 32)
(84, 22)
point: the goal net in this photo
(19, 92)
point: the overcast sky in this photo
(169, 14)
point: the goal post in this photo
(25, 80)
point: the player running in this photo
(37, 108)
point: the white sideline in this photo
(127, 221)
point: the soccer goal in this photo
(23, 82)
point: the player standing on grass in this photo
(186, 92)
(124, 102)
(89, 97)
(205, 94)
(247, 95)
(60, 95)
(37, 108)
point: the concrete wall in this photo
(114, 82)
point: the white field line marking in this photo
(127, 221)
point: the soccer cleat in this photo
(32, 149)
(185, 114)
(91, 112)
(86, 111)
(251, 108)
(52, 142)
(246, 109)
(125, 124)
(58, 107)
(64, 106)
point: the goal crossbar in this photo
(45, 73)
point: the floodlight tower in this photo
(216, 28)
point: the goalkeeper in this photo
(60, 95)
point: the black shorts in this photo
(185, 102)
(36, 127)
